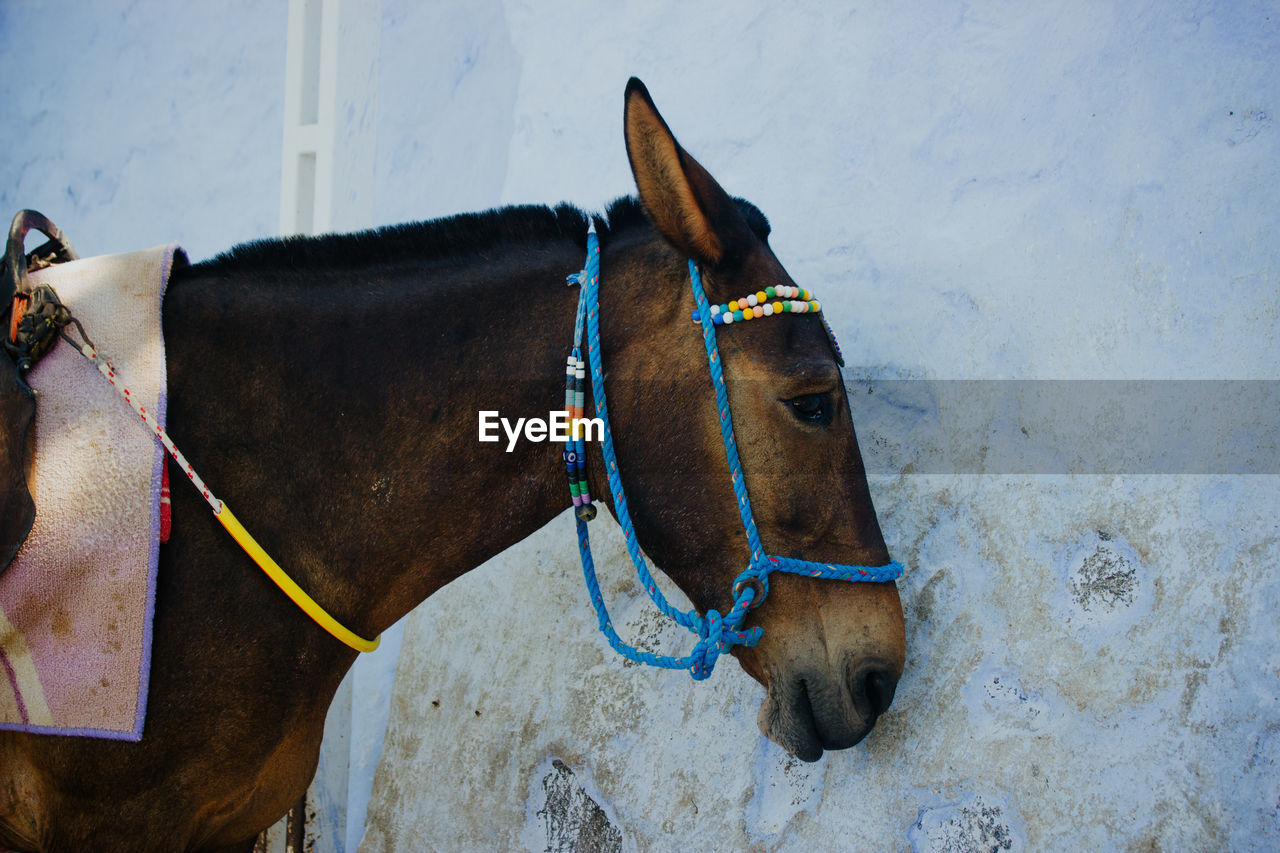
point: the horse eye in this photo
(812, 408)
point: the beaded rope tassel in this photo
(575, 452)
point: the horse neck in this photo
(350, 428)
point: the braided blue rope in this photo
(715, 632)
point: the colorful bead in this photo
(787, 300)
(831, 335)
(575, 453)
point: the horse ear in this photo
(686, 204)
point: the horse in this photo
(332, 384)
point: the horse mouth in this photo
(807, 716)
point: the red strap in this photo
(166, 509)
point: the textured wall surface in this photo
(978, 192)
(1092, 665)
(136, 123)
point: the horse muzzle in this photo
(809, 713)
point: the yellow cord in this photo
(291, 589)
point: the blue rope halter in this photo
(716, 633)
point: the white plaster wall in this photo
(989, 191)
(133, 123)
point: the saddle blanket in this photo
(77, 601)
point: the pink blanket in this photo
(76, 604)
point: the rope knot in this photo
(710, 645)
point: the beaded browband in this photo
(782, 299)
(787, 300)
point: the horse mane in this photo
(457, 236)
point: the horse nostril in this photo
(873, 690)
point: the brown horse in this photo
(304, 371)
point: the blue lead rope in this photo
(716, 633)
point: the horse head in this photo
(832, 652)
